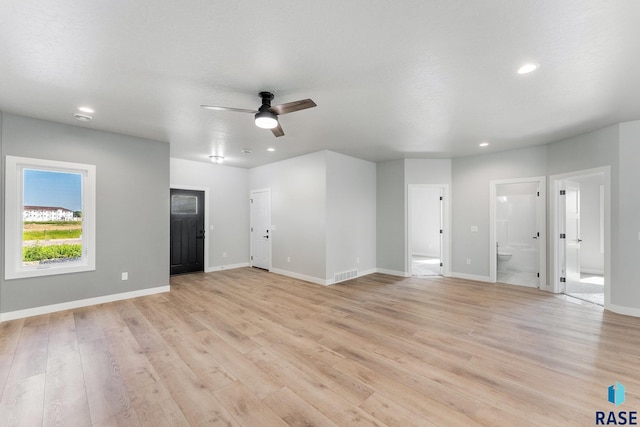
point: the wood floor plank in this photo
(10, 334)
(106, 392)
(23, 401)
(123, 419)
(247, 347)
(30, 356)
(314, 391)
(65, 400)
(224, 330)
(392, 414)
(246, 408)
(152, 402)
(295, 411)
(203, 364)
(258, 379)
(194, 397)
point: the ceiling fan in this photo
(266, 117)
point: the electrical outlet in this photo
(357, 260)
(468, 261)
(125, 276)
(474, 228)
(288, 259)
(224, 254)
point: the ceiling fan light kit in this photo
(266, 117)
(266, 120)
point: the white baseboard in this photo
(627, 311)
(393, 272)
(226, 267)
(315, 280)
(471, 277)
(594, 271)
(36, 311)
(299, 276)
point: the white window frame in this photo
(14, 205)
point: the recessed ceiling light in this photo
(527, 68)
(82, 117)
(247, 151)
(217, 159)
(271, 149)
(484, 144)
(86, 110)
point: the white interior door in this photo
(261, 229)
(572, 235)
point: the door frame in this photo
(541, 214)
(556, 216)
(207, 234)
(445, 250)
(251, 193)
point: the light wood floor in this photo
(246, 347)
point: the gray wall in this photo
(471, 204)
(393, 179)
(351, 214)
(625, 259)
(427, 171)
(132, 224)
(228, 209)
(592, 150)
(591, 257)
(391, 245)
(298, 212)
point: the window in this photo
(49, 217)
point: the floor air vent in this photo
(341, 277)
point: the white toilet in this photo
(503, 260)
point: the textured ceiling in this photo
(407, 79)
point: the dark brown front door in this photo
(187, 231)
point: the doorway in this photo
(518, 232)
(427, 230)
(187, 231)
(260, 228)
(581, 242)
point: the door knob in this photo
(266, 237)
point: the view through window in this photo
(52, 217)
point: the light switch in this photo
(474, 228)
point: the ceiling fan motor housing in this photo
(267, 97)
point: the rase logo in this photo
(615, 395)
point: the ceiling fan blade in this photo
(290, 107)
(277, 131)
(238, 110)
